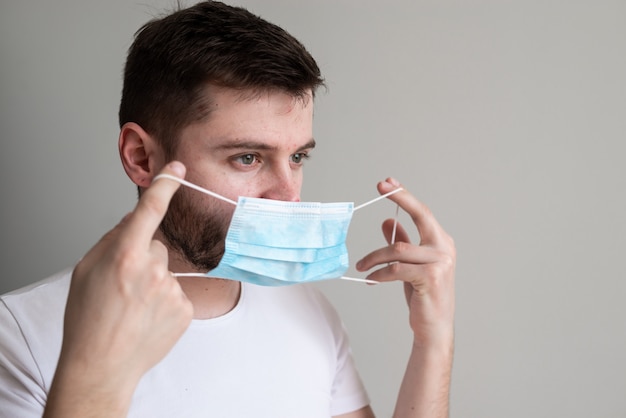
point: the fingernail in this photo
(393, 181)
(177, 167)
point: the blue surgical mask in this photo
(275, 243)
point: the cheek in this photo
(299, 176)
(232, 189)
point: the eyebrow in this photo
(257, 145)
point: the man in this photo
(230, 96)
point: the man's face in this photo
(248, 147)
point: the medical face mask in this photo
(274, 243)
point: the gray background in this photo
(507, 117)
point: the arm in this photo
(427, 271)
(124, 313)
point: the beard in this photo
(196, 230)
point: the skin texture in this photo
(251, 146)
(427, 270)
(124, 313)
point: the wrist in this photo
(81, 388)
(438, 338)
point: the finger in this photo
(408, 273)
(160, 261)
(400, 235)
(159, 252)
(429, 229)
(400, 252)
(152, 205)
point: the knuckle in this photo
(435, 270)
(426, 213)
(431, 270)
(448, 260)
(394, 268)
(124, 262)
(451, 245)
(400, 247)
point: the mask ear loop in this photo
(232, 202)
(194, 186)
(393, 233)
(378, 198)
(395, 226)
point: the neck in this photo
(210, 297)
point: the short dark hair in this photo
(174, 59)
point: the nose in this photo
(283, 183)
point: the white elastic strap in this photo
(378, 198)
(193, 186)
(354, 279)
(393, 233)
(393, 240)
(343, 277)
(225, 199)
(189, 275)
(232, 202)
(395, 225)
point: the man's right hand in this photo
(124, 313)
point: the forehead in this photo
(273, 121)
(267, 116)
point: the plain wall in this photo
(508, 118)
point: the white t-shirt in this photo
(281, 352)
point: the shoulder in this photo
(31, 324)
(44, 298)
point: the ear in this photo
(142, 157)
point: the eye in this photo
(247, 159)
(299, 157)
